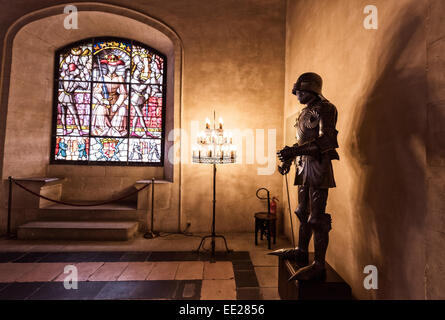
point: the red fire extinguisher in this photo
(273, 205)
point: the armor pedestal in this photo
(332, 288)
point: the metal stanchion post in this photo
(152, 234)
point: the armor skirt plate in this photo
(314, 172)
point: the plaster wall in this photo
(435, 232)
(377, 80)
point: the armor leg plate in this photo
(301, 253)
(320, 223)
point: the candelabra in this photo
(214, 146)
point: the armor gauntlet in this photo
(290, 153)
(307, 149)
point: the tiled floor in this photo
(139, 269)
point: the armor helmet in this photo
(308, 82)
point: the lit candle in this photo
(199, 152)
(203, 137)
(220, 123)
(213, 137)
(233, 152)
(224, 137)
(209, 151)
(207, 123)
(195, 149)
(230, 138)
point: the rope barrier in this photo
(79, 204)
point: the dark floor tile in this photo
(10, 256)
(20, 291)
(57, 291)
(188, 290)
(195, 256)
(108, 256)
(245, 279)
(239, 255)
(161, 256)
(32, 257)
(117, 290)
(187, 256)
(71, 257)
(135, 256)
(248, 294)
(173, 256)
(85, 256)
(156, 289)
(3, 285)
(219, 256)
(56, 257)
(239, 265)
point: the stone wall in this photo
(388, 86)
(435, 232)
(389, 197)
(232, 62)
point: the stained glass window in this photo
(109, 103)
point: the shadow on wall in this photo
(388, 152)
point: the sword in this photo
(104, 87)
(290, 213)
(286, 252)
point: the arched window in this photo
(109, 103)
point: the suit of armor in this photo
(316, 125)
(315, 149)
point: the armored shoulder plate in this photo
(327, 140)
(308, 125)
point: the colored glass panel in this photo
(144, 150)
(71, 148)
(109, 103)
(109, 113)
(111, 61)
(146, 112)
(73, 108)
(108, 149)
(147, 67)
(75, 63)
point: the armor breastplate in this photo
(308, 126)
(316, 124)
